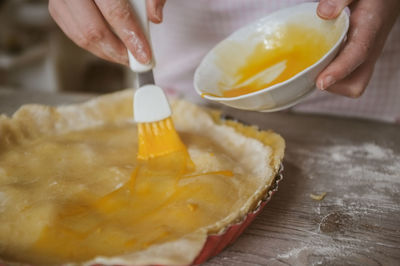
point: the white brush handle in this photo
(139, 8)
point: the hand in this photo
(370, 24)
(106, 27)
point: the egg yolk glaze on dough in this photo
(151, 202)
(77, 195)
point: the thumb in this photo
(155, 10)
(330, 9)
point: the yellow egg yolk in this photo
(87, 228)
(91, 197)
(292, 48)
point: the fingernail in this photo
(159, 12)
(140, 53)
(327, 9)
(326, 82)
(142, 57)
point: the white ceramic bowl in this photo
(209, 74)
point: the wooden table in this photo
(356, 162)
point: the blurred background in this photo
(36, 56)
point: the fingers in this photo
(63, 19)
(355, 84)
(361, 44)
(155, 10)
(120, 16)
(330, 9)
(90, 24)
(82, 22)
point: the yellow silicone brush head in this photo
(158, 139)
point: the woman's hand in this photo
(106, 27)
(370, 24)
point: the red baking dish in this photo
(216, 243)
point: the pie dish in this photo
(70, 191)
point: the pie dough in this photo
(70, 191)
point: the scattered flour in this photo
(342, 153)
(363, 183)
(367, 169)
(293, 253)
(320, 251)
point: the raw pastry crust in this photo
(259, 152)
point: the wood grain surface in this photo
(358, 222)
(356, 162)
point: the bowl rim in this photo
(344, 14)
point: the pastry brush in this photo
(156, 132)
